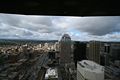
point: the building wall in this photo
(86, 74)
(93, 51)
(65, 49)
(110, 52)
(104, 54)
(115, 51)
(79, 51)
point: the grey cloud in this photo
(13, 32)
(99, 25)
(58, 33)
(49, 27)
(27, 33)
(36, 27)
(36, 23)
(12, 20)
(113, 36)
(43, 20)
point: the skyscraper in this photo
(65, 49)
(93, 51)
(79, 51)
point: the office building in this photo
(109, 53)
(79, 51)
(65, 49)
(104, 54)
(89, 70)
(93, 51)
(115, 51)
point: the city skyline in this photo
(39, 27)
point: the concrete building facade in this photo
(93, 51)
(89, 70)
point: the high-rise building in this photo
(79, 51)
(93, 51)
(109, 53)
(104, 54)
(89, 70)
(110, 58)
(115, 51)
(65, 49)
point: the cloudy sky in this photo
(103, 28)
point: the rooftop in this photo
(51, 73)
(66, 36)
(91, 66)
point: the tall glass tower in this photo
(65, 49)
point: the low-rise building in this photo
(89, 70)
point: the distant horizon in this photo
(33, 27)
(58, 40)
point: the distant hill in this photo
(23, 41)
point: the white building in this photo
(89, 70)
(56, 46)
(52, 74)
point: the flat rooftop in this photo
(51, 73)
(90, 65)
